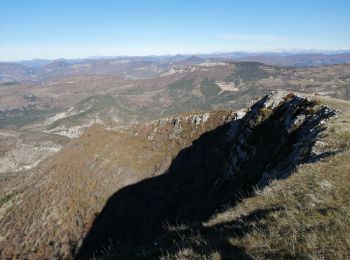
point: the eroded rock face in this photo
(277, 133)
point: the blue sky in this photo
(77, 28)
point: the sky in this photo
(83, 28)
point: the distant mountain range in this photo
(139, 67)
(63, 98)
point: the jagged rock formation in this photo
(276, 134)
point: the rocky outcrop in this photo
(277, 133)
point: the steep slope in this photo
(305, 216)
(61, 196)
(277, 134)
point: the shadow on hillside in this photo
(191, 191)
(211, 239)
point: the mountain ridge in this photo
(101, 162)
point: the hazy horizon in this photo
(284, 52)
(81, 29)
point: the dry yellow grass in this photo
(306, 216)
(49, 210)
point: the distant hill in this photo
(38, 70)
(69, 105)
(300, 60)
(35, 63)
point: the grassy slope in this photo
(63, 194)
(304, 216)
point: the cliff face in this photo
(276, 134)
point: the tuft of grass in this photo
(7, 198)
